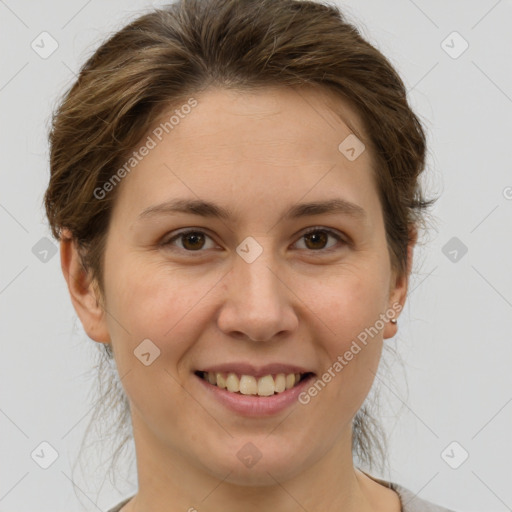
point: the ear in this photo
(84, 292)
(399, 287)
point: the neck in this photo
(169, 481)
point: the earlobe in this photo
(398, 291)
(83, 291)
(395, 305)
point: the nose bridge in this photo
(259, 278)
(257, 302)
(254, 273)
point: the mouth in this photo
(242, 384)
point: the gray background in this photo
(454, 335)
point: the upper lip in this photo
(256, 371)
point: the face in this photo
(264, 287)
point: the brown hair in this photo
(169, 54)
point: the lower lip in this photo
(253, 405)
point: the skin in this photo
(256, 153)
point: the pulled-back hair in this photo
(172, 53)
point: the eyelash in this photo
(334, 234)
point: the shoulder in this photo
(119, 506)
(412, 503)
(409, 501)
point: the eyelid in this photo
(185, 231)
(332, 232)
(339, 237)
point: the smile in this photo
(266, 385)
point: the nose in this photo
(259, 304)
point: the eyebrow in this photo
(212, 210)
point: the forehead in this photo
(306, 113)
(279, 143)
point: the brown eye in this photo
(191, 241)
(317, 239)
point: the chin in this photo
(254, 462)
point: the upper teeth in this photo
(249, 385)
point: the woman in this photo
(234, 185)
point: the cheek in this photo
(149, 304)
(351, 306)
(148, 301)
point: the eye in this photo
(193, 240)
(316, 239)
